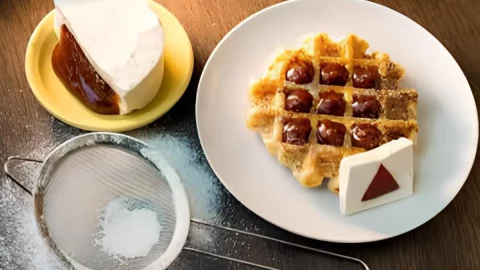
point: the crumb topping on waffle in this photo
(327, 100)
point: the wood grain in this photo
(449, 241)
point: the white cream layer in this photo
(124, 42)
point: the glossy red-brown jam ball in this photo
(299, 101)
(365, 106)
(296, 131)
(333, 74)
(331, 103)
(331, 133)
(300, 72)
(365, 77)
(365, 135)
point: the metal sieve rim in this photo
(179, 195)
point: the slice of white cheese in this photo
(124, 42)
(357, 172)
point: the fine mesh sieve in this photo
(83, 175)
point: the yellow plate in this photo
(57, 100)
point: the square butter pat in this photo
(376, 177)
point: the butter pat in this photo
(376, 177)
(123, 41)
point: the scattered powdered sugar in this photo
(21, 244)
(186, 157)
(126, 232)
(201, 236)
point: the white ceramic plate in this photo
(447, 119)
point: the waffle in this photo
(327, 100)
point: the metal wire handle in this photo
(9, 174)
(269, 239)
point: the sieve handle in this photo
(10, 168)
(271, 239)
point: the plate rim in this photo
(465, 173)
(31, 60)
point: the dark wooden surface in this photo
(449, 241)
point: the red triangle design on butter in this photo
(382, 183)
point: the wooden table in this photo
(449, 241)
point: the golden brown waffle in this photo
(328, 100)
